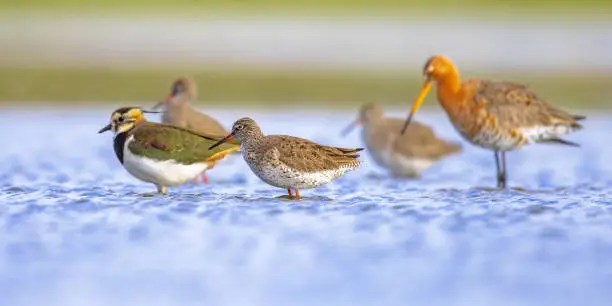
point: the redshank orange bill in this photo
(497, 115)
(178, 112)
(288, 162)
(403, 155)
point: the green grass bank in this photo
(335, 7)
(74, 86)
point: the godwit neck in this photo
(449, 82)
(449, 88)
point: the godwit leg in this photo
(289, 192)
(500, 163)
(504, 169)
(499, 170)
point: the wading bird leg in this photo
(499, 170)
(289, 192)
(162, 189)
(504, 176)
(204, 178)
(297, 194)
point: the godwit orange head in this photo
(440, 70)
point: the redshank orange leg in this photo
(297, 193)
(500, 162)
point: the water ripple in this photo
(77, 229)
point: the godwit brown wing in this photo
(516, 110)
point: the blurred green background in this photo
(316, 6)
(34, 69)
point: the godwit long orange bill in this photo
(497, 115)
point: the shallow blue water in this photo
(75, 230)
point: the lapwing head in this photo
(124, 119)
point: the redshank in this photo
(290, 162)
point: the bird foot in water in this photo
(291, 196)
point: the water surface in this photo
(75, 230)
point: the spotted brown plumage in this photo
(164, 155)
(290, 162)
(404, 155)
(306, 156)
(497, 115)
